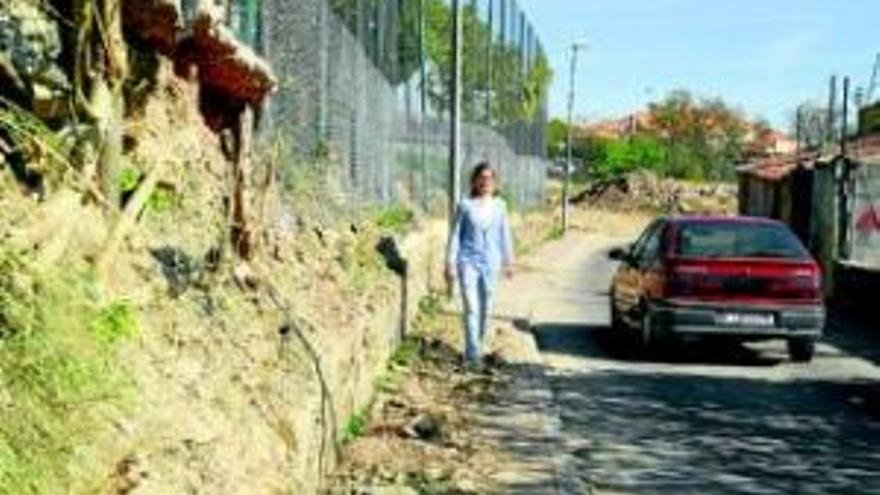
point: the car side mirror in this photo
(619, 254)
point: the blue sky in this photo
(763, 56)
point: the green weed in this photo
(163, 201)
(403, 359)
(361, 264)
(431, 305)
(114, 323)
(396, 217)
(58, 373)
(129, 179)
(555, 233)
(406, 353)
(356, 426)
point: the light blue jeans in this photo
(477, 285)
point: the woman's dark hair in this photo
(478, 170)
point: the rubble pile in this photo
(644, 190)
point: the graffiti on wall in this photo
(865, 240)
(868, 219)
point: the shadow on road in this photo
(859, 337)
(639, 433)
(649, 430)
(597, 342)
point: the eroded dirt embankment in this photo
(234, 377)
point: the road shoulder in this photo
(524, 419)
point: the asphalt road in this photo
(698, 419)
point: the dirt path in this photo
(498, 432)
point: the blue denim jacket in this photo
(470, 244)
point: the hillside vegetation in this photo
(679, 136)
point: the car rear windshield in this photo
(738, 240)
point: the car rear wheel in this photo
(647, 339)
(616, 334)
(617, 324)
(801, 350)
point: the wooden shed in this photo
(779, 187)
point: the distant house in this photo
(780, 144)
(619, 128)
(762, 141)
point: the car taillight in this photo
(687, 281)
(780, 282)
(798, 287)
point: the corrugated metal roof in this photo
(864, 150)
(777, 168)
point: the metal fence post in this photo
(423, 97)
(324, 76)
(455, 137)
(490, 53)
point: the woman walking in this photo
(480, 247)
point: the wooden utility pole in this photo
(832, 111)
(845, 124)
(566, 187)
(845, 189)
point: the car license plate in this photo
(745, 320)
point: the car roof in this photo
(719, 219)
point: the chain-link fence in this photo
(364, 91)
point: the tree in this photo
(682, 137)
(556, 135)
(515, 93)
(810, 121)
(626, 155)
(535, 86)
(705, 138)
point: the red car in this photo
(737, 278)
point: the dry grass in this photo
(421, 429)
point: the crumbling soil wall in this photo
(246, 373)
(243, 373)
